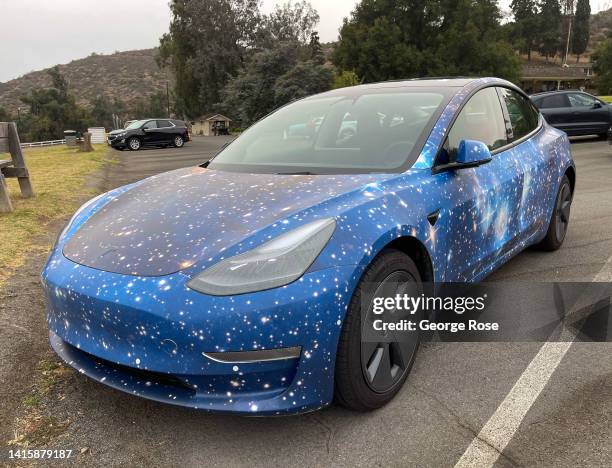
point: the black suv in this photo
(151, 132)
(574, 112)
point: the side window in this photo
(163, 124)
(523, 116)
(581, 100)
(556, 101)
(150, 124)
(480, 119)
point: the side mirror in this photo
(471, 153)
(597, 105)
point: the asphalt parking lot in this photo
(451, 394)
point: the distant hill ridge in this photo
(126, 76)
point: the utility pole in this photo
(168, 98)
(569, 13)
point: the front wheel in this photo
(134, 144)
(371, 367)
(559, 221)
(178, 141)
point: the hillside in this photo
(601, 27)
(126, 76)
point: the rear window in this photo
(523, 116)
(554, 101)
(377, 132)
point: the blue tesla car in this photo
(240, 285)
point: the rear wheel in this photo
(559, 221)
(371, 368)
(134, 144)
(178, 141)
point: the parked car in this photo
(241, 285)
(151, 132)
(113, 133)
(575, 112)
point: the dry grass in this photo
(58, 176)
(35, 428)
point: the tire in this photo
(358, 362)
(559, 221)
(178, 141)
(134, 144)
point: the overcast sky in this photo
(36, 34)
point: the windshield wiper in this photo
(296, 173)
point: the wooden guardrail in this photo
(37, 144)
(14, 167)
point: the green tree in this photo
(153, 106)
(526, 25)
(250, 95)
(550, 34)
(344, 79)
(211, 42)
(304, 79)
(207, 43)
(289, 22)
(4, 115)
(581, 32)
(602, 59)
(315, 49)
(53, 110)
(102, 112)
(386, 39)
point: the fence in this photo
(98, 134)
(43, 143)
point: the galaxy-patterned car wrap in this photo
(119, 309)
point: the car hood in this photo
(171, 221)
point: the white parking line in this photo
(495, 435)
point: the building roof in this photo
(212, 116)
(543, 71)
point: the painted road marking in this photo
(487, 446)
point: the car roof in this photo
(450, 83)
(559, 91)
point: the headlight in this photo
(273, 264)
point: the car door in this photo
(166, 131)
(150, 133)
(557, 111)
(589, 115)
(483, 200)
(531, 154)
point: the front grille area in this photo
(222, 385)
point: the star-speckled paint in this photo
(120, 310)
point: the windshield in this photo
(136, 124)
(377, 132)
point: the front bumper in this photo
(117, 142)
(156, 338)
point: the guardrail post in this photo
(5, 202)
(14, 167)
(21, 172)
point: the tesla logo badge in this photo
(433, 217)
